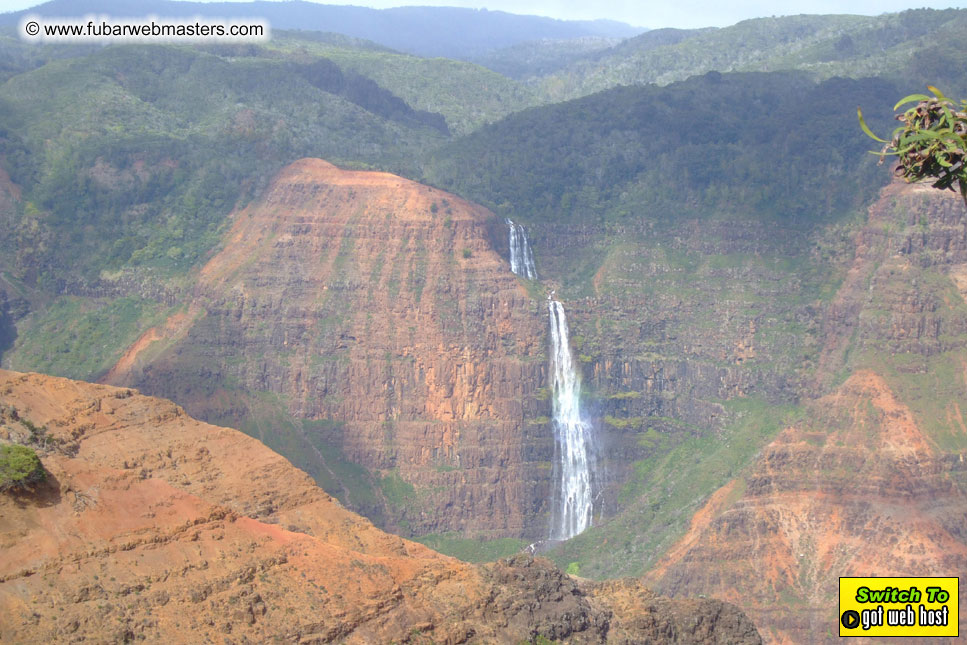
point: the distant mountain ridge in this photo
(918, 43)
(427, 31)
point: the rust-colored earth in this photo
(154, 526)
(375, 308)
(872, 481)
(854, 491)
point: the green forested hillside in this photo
(538, 58)
(135, 155)
(467, 95)
(17, 56)
(776, 145)
(909, 45)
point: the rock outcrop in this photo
(375, 310)
(153, 526)
(872, 481)
(904, 292)
(855, 490)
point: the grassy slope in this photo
(82, 337)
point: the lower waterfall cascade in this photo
(572, 501)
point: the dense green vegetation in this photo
(910, 46)
(468, 96)
(19, 467)
(534, 59)
(135, 155)
(931, 142)
(769, 145)
(17, 57)
(82, 337)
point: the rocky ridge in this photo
(855, 490)
(154, 526)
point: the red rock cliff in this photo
(377, 304)
(873, 479)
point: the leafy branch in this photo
(930, 143)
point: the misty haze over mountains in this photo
(424, 31)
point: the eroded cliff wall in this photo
(872, 479)
(372, 315)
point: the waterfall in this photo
(573, 441)
(521, 258)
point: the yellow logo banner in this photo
(899, 606)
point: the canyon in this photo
(659, 363)
(153, 526)
(871, 480)
(373, 330)
(357, 319)
(374, 312)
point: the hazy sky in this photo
(668, 13)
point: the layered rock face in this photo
(873, 479)
(154, 526)
(904, 292)
(684, 330)
(857, 490)
(374, 308)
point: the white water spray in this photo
(521, 258)
(572, 502)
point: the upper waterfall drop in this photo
(573, 436)
(521, 258)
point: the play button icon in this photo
(850, 619)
